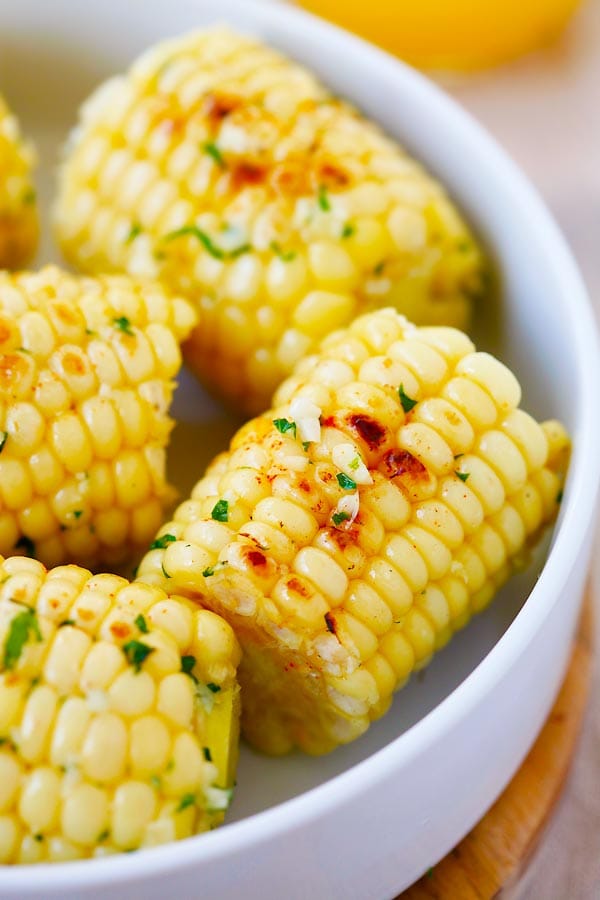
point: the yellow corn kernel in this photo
(118, 714)
(18, 216)
(351, 567)
(85, 388)
(279, 228)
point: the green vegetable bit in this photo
(220, 511)
(323, 199)
(462, 475)
(338, 518)
(141, 624)
(345, 482)
(186, 800)
(161, 542)
(407, 402)
(134, 231)
(20, 629)
(213, 151)
(284, 425)
(124, 325)
(136, 652)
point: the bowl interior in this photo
(52, 55)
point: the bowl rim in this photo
(576, 516)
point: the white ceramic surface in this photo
(368, 819)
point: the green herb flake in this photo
(306, 445)
(458, 455)
(38, 837)
(345, 482)
(134, 571)
(161, 542)
(323, 199)
(77, 513)
(103, 836)
(164, 571)
(284, 255)
(187, 664)
(3, 439)
(220, 511)
(559, 496)
(208, 571)
(429, 872)
(200, 235)
(207, 754)
(338, 518)
(186, 800)
(66, 622)
(136, 652)
(26, 544)
(462, 475)
(155, 782)
(124, 325)
(211, 149)
(354, 463)
(141, 623)
(29, 197)
(134, 231)
(407, 402)
(348, 230)
(20, 629)
(213, 687)
(378, 270)
(284, 425)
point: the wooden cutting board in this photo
(492, 858)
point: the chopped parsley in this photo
(220, 511)
(345, 481)
(338, 518)
(429, 872)
(20, 629)
(213, 151)
(134, 231)
(161, 542)
(462, 475)
(213, 687)
(284, 425)
(103, 836)
(141, 624)
(164, 571)
(207, 754)
(187, 664)
(559, 497)
(124, 325)
(26, 544)
(378, 270)
(348, 230)
(3, 439)
(208, 571)
(201, 236)
(136, 652)
(354, 464)
(407, 402)
(77, 513)
(323, 199)
(186, 800)
(306, 445)
(458, 455)
(155, 782)
(284, 255)
(38, 837)
(66, 622)
(239, 251)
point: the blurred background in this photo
(529, 70)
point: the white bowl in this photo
(370, 818)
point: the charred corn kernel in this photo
(86, 380)
(119, 714)
(391, 543)
(18, 216)
(231, 174)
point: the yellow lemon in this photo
(451, 34)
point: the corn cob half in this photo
(18, 216)
(232, 174)
(118, 714)
(86, 380)
(353, 528)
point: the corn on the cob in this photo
(86, 379)
(232, 174)
(352, 529)
(18, 217)
(118, 714)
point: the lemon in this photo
(451, 34)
